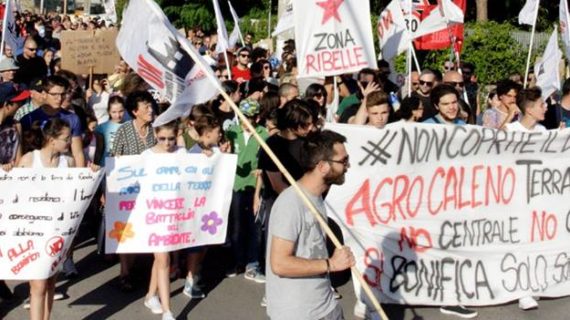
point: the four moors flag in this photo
(333, 36)
(163, 58)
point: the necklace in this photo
(140, 134)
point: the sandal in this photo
(125, 284)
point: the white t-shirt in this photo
(517, 126)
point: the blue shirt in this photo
(40, 116)
(108, 130)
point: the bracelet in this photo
(328, 266)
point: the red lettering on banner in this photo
(412, 240)
(362, 197)
(373, 257)
(335, 60)
(448, 189)
(384, 23)
(546, 226)
(149, 72)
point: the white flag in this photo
(285, 22)
(547, 70)
(236, 33)
(163, 58)
(392, 31)
(110, 11)
(528, 12)
(442, 17)
(9, 28)
(222, 44)
(565, 27)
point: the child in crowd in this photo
(159, 280)
(116, 111)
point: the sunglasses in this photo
(244, 55)
(32, 49)
(162, 139)
(427, 83)
(455, 83)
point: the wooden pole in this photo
(531, 45)
(91, 77)
(65, 7)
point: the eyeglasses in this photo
(344, 161)
(32, 49)
(427, 83)
(244, 55)
(455, 83)
(162, 139)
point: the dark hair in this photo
(115, 100)
(294, 114)
(504, 86)
(315, 88)
(258, 53)
(206, 123)
(198, 111)
(315, 110)
(172, 125)
(256, 68)
(566, 87)
(53, 81)
(255, 85)
(317, 147)
(269, 102)
(134, 98)
(407, 106)
(528, 96)
(440, 91)
(229, 86)
(368, 71)
(40, 132)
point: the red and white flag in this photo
(164, 59)
(392, 31)
(443, 16)
(529, 12)
(565, 27)
(333, 37)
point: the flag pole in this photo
(417, 63)
(409, 55)
(531, 45)
(279, 165)
(228, 64)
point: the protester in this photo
(108, 129)
(426, 84)
(133, 137)
(31, 66)
(240, 72)
(159, 280)
(10, 139)
(8, 69)
(507, 110)
(411, 110)
(298, 284)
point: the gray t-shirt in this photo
(298, 298)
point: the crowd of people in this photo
(52, 118)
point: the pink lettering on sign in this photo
(168, 204)
(335, 60)
(127, 205)
(155, 240)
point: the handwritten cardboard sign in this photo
(40, 213)
(166, 202)
(447, 215)
(82, 50)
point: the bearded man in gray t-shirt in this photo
(298, 285)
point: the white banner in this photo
(222, 44)
(40, 213)
(528, 13)
(448, 215)
(333, 37)
(160, 55)
(564, 25)
(167, 202)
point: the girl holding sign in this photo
(56, 137)
(166, 135)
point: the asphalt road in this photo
(94, 295)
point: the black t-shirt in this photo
(288, 152)
(30, 69)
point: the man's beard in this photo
(334, 178)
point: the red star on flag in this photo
(331, 9)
